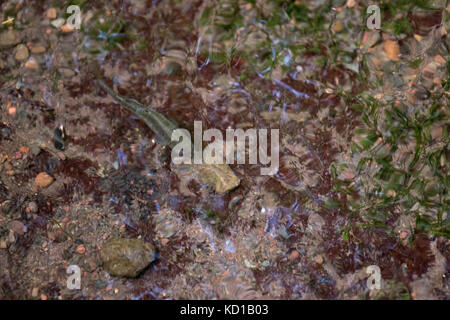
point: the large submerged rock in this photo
(9, 38)
(126, 257)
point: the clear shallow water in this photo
(302, 233)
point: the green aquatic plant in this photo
(256, 31)
(401, 164)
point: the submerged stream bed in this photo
(362, 180)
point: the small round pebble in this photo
(33, 206)
(21, 52)
(81, 249)
(318, 259)
(43, 180)
(51, 13)
(31, 64)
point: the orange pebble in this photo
(81, 249)
(294, 255)
(12, 111)
(24, 149)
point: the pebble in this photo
(38, 49)
(18, 227)
(31, 64)
(51, 236)
(11, 237)
(294, 255)
(43, 180)
(351, 3)
(24, 149)
(126, 257)
(392, 49)
(318, 259)
(390, 193)
(21, 53)
(33, 206)
(51, 13)
(35, 292)
(66, 28)
(81, 249)
(338, 26)
(440, 60)
(9, 38)
(403, 235)
(67, 73)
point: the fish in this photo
(160, 125)
(220, 177)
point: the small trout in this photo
(218, 176)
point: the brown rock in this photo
(51, 236)
(438, 58)
(51, 13)
(66, 28)
(126, 257)
(392, 49)
(24, 149)
(81, 249)
(318, 259)
(21, 53)
(18, 227)
(43, 180)
(33, 207)
(218, 175)
(38, 49)
(35, 292)
(338, 26)
(9, 38)
(31, 64)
